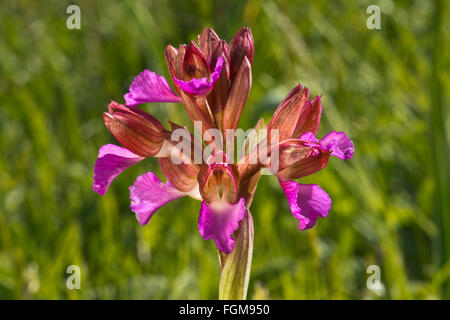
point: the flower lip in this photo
(339, 145)
(299, 158)
(219, 220)
(289, 112)
(111, 161)
(307, 202)
(201, 86)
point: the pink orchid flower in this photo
(212, 81)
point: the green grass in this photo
(388, 89)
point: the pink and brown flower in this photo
(212, 81)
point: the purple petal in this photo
(339, 144)
(148, 86)
(201, 86)
(148, 194)
(219, 221)
(309, 136)
(314, 202)
(111, 161)
(307, 202)
(290, 188)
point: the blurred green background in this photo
(388, 89)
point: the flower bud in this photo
(290, 112)
(217, 98)
(207, 41)
(221, 49)
(242, 45)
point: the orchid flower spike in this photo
(212, 80)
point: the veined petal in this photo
(242, 45)
(213, 48)
(237, 96)
(198, 110)
(136, 130)
(182, 176)
(219, 221)
(291, 189)
(111, 161)
(289, 112)
(201, 86)
(309, 119)
(339, 145)
(148, 193)
(299, 158)
(307, 202)
(148, 86)
(314, 202)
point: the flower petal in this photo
(288, 112)
(307, 202)
(111, 161)
(136, 130)
(201, 86)
(148, 193)
(148, 86)
(339, 145)
(237, 96)
(219, 221)
(314, 202)
(298, 159)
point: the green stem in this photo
(235, 266)
(440, 146)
